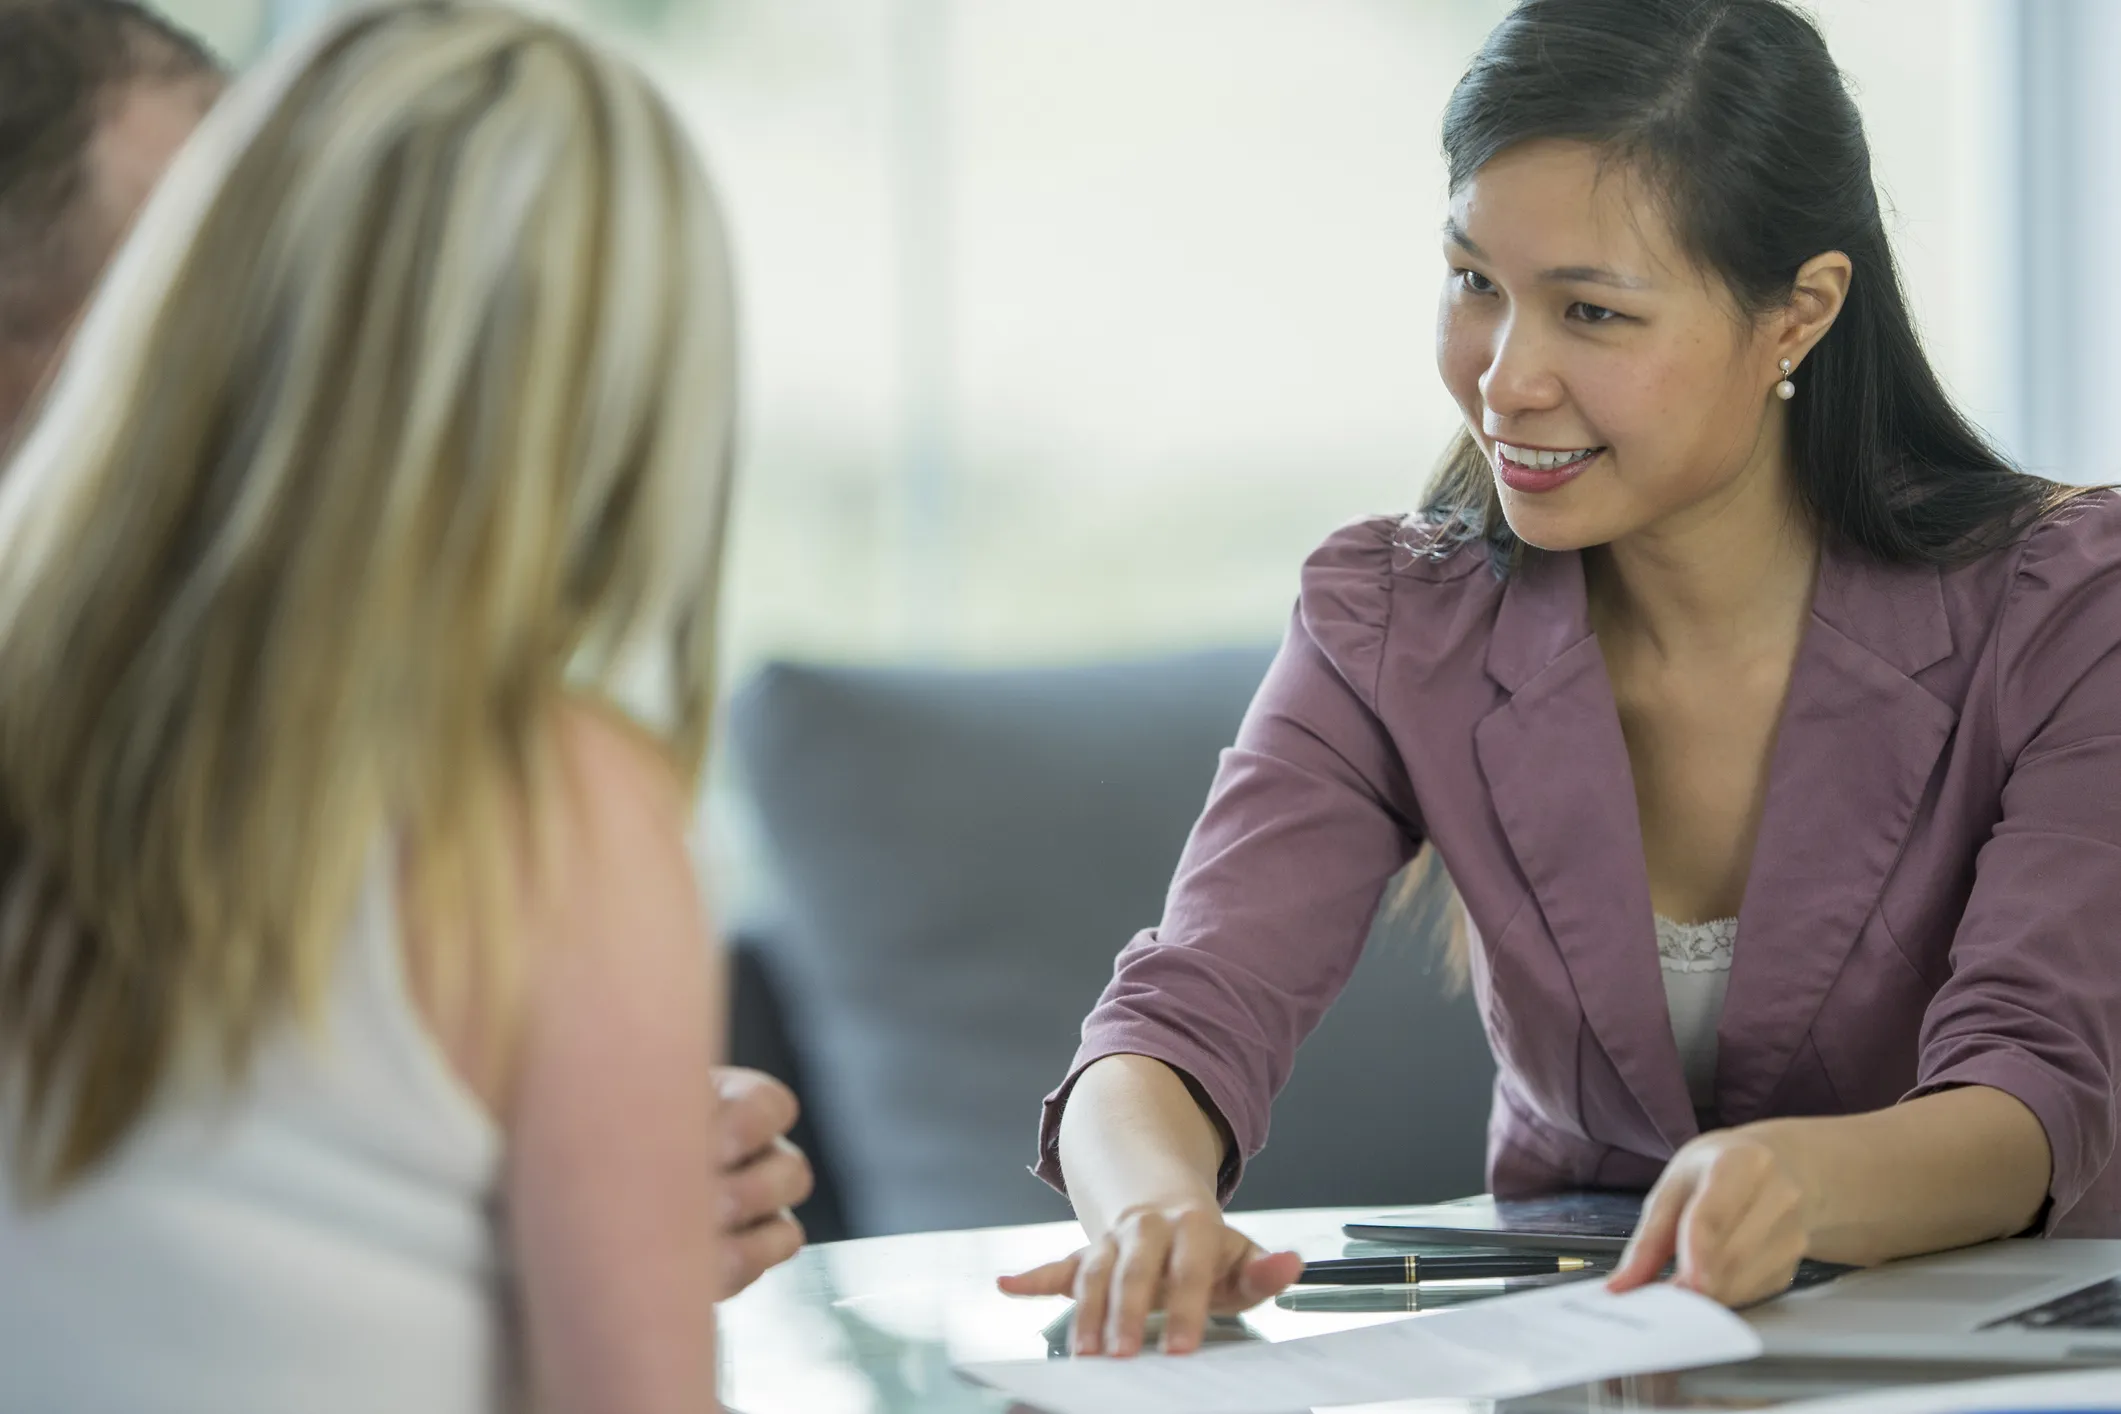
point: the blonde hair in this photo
(406, 413)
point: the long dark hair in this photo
(1736, 116)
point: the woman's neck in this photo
(1729, 579)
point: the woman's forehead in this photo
(1557, 206)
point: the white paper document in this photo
(2078, 1390)
(1513, 1345)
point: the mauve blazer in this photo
(1935, 894)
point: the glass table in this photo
(875, 1326)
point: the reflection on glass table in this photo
(1406, 1300)
(877, 1326)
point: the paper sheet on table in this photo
(2077, 1390)
(1513, 1345)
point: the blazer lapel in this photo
(1557, 771)
(1853, 756)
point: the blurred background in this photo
(1072, 326)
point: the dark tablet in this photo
(1593, 1222)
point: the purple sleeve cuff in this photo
(1212, 1084)
(2037, 1087)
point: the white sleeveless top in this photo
(322, 1241)
(1696, 961)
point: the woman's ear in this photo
(1816, 297)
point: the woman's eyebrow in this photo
(1560, 274)
(1456, 235)
(1592, 275)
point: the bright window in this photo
(1073, 327)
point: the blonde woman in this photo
(356, 602)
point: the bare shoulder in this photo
(612, 1180)
(606, 912)
(619, 921)
(619, 811)
(612, 772)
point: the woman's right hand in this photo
(1181, 1259)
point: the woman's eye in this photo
(1473, 282)
(1593, 313)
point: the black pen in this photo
(1397, 1271)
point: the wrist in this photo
(1131, 1140)
(1802, 1157)
(1186, 1198)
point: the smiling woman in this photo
(1763, 234)
(1562, 309)
(1765, 718)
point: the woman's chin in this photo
(1553, 527)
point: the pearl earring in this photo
(1785, 390)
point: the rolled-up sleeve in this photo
(1309, 818)
(2032, 1006)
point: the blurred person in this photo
(1767, 721)
(96, 96)
(357, 597)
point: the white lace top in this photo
(1696, 960)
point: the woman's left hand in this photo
(1734, 1212)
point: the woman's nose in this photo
(1520, 377)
